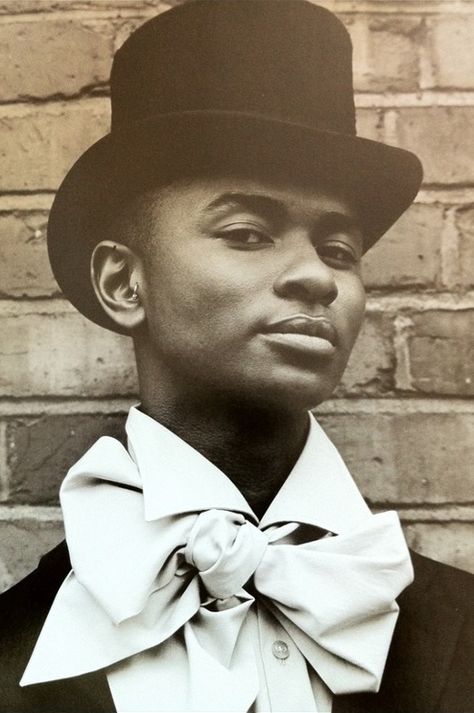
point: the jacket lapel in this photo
(89, 693)
(421, 652)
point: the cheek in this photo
(194, 295)
(353, 307)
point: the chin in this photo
(291, 394)
(300, 384)
(308, 400)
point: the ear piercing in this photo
(135, 297)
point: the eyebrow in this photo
(274, 209)
(254, 202)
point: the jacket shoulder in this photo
(429, 662)
(23, 609)
(24, 600)
(455, 586)
(436, 635)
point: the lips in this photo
(307, 325)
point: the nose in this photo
(306, 277)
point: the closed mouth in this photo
(306, 325)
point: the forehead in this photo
(201, 198)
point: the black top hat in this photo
(226, 84)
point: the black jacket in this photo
(429, 668)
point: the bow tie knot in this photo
(226, 549)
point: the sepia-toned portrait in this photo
(237, 349)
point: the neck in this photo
(256, 447)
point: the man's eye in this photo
(245, 237)
(338, 254)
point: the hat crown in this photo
(288, 60)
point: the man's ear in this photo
(116, 276)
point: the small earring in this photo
(135, 297)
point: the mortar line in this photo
(95, 95)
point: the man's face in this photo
(251, 290)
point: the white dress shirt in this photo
(175, 478)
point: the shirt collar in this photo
(319, 490)
(176, 479)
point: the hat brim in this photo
(380, 180)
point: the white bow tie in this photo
(187, 573)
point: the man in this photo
(225, 560)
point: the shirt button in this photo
(280, 650)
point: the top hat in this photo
(219, 85)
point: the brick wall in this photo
(404, 415)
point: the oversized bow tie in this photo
(196, 575)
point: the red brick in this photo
(465, 225)
(450, 43)
(450, 542)
(24, 265)
(38, 148)
(75, 58)
(22, 543)
(385, 52)
(409, 254)
(41, 450)
(443, 139)
(441, 352)
(369, 370)
(63, 354)
(415, 458)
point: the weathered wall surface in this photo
(404, 416)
